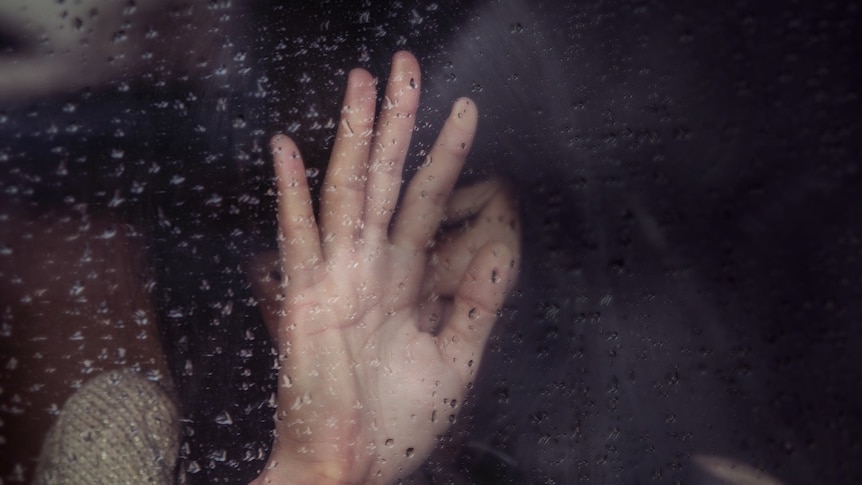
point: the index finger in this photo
(425, 201)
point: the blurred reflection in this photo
(89, 92)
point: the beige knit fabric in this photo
(119, 428)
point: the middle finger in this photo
(395, 128)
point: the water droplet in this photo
(224, 418)
(390, 442)
(415, 18)
(140, 317)
(473, 314)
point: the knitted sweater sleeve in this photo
(119, 427)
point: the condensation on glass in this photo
(687, 176)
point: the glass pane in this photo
(687, 177)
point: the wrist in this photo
(285, 469)
(295, 478)
(297, 475)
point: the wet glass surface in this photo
(687, 174)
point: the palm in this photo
(363, 390)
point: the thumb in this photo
(476, 215)
(478, 300)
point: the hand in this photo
(474, 216)
(363, 391)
